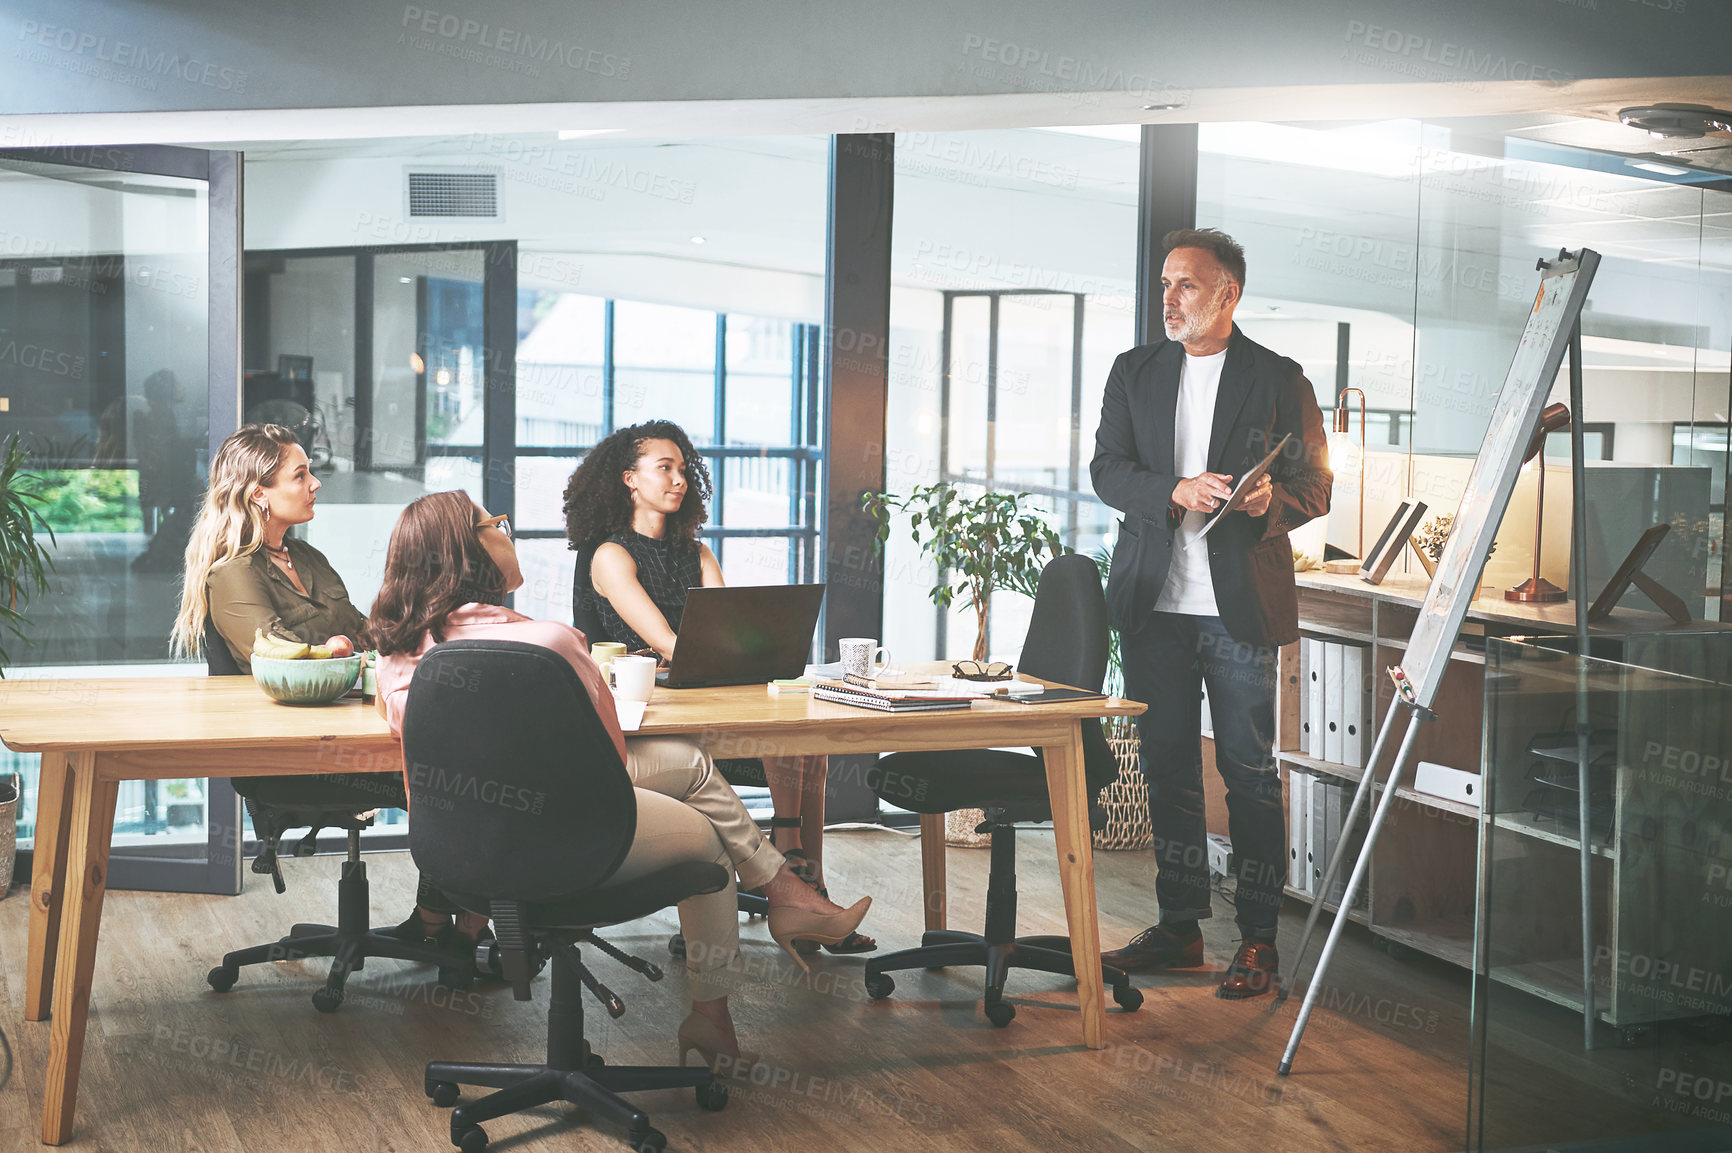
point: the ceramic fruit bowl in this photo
(306, 681)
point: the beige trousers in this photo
(687, 812)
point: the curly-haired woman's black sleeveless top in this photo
(665, 571)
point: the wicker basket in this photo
(1126, 800)
(8, 829)
(959, 826)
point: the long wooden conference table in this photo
(93, 734)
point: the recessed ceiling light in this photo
(1662, 169)
(1161, 107)
(579, 133)
(697, 240)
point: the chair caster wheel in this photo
(713, 1096)
(327, 1000)
(1000, 1013)
(879, 986)
(444, 1093)
(677, 947)
(1128, 997)
(222, 978)
(651, 1141)
(471, 1140)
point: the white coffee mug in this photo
(860, 654)
(634, 678)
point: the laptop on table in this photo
(743, 635)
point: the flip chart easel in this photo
(1553, 323)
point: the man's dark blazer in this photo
(1262, 396)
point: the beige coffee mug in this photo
(603, 653)
(634, 678)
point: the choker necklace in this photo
(281, 552)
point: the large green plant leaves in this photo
(24, 561)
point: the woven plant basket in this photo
(959, 826)
(1126, 800)
(10, 790)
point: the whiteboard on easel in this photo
(1514, 420)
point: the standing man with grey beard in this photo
(1182, 418)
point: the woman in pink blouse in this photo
(447, 570)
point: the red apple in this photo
(341, 646)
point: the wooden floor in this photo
(172, 1066)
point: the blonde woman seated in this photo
(447, 570)
(245, 575)
(638, 500)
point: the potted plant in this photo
(24, 560)
(981, 545)
(24, 566)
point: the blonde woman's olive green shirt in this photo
(251, 593)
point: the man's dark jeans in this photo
(1164, 663)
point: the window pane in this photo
(547, 576)
(1035, 341)
(760, 380)
(756, 492)
(428, 377)
(665, 361)
(540, 487)
(560, 352)
(755, 560)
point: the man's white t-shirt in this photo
(1190, 586)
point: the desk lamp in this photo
(1537, 589)
(1351, 564)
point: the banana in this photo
(277, 648)
(319, 653)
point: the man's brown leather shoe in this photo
(1158, 947)
(1252, 972)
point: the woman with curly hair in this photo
(638, 500)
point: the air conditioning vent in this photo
(449, 194)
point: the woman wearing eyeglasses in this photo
(638, 500)
(246, 575)
(447, 571)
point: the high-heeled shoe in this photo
(698, 1033)
(788, 925)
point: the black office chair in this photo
(739, 772)
(1067, 643)
(278, 804)
(535, 853)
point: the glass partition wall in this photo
(117, 330)
(1659, 833)
(1013, 278)
(1398, 258)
